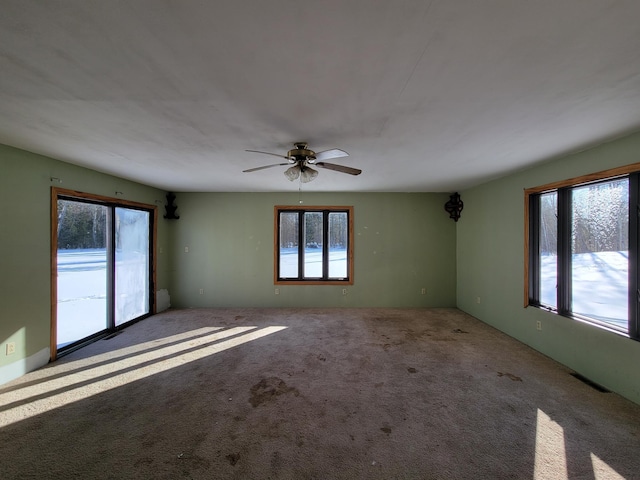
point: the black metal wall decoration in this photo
(454, 206)
(170, 208)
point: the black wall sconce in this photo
(454, 206)
(170, 208)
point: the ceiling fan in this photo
(300, 159)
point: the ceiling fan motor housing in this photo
(301, 152)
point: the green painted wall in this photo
(403, 242)
(25, 189)
(490, 255)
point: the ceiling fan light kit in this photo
(306, 174)
(301, 157)
(292, 173)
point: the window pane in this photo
(548, 249)
(600, 251)
(288, 245)
(82, 270)
(338, 241)
(132, 264)
(313, 245)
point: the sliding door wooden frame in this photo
(57, 192)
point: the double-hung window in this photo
(582, 249)
(313, 245)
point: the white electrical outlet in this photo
(202, 291)
(344, 291)
(423, 291)
(538, 325)
(11, 348)
(477, 299)
(277, 291)
(186, 249)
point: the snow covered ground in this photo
(82, 294)
(313, 262)
(82, 291)
(599, 283)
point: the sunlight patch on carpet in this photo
(115, 354)
(551, 456)
(23, 403)
(551, 459)
(58, 381)
(603, 471)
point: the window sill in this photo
(585, 320)
(313, 282)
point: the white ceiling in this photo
(425, 95)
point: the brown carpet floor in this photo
(313, 394)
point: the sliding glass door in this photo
(103, 265)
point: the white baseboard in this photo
(163, 301)
(24, 365)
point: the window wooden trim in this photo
(57, 192)
(276, 242)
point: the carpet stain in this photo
(143, 461)
(322, 358)
(411, 370)
(192, 461)
(276, 461)
(233, 458)
(238, 318)
(268, 389)
(413, 335)
(457, 330)
(510, 375)
(386, 430)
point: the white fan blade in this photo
(329, 154)
(339, 168)
(265, 166)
